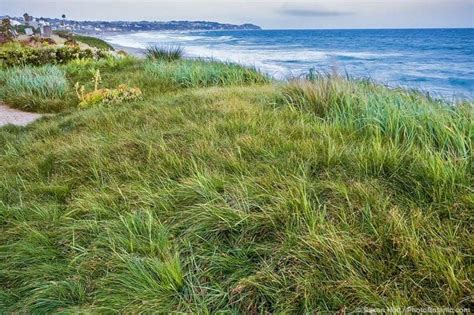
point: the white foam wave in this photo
(125, 41)
(277, 60)
(363, 55)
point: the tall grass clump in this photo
(164, 53)
(200, 73)
(41, 89)
(403, 116)
(418, 129)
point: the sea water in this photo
(436, 61)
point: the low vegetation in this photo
(14, 54)
(42, 89)
(93, 42)
(220, 191)
(102, 96)
(166, 53)
(200, 73)
(88, 40)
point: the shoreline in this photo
(137, 52)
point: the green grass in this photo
(223, 192)
(42, 89)
(167, 53)
(93, 42)
(200, 73)
(88, 40)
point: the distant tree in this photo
(6, 31)
(64, 19)
(26, 17)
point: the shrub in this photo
(20, 29)
(63, 34)
(199, 73)
(71, 42)
(165, 53)
(39, 41)
(43, 89)
(3, 39)
(17, 55)
(119, 95)
(6, 31)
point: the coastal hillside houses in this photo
(95, 27)
(29, 26)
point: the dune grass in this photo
(40, 89)
(237, 196)
(164, 53)
(200, 73)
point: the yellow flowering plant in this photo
(103, 96)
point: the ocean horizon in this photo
(436, 61)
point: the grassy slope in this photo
(229, 198)
(88, 40)
(93, 42)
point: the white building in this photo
(14, 23)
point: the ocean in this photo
(436, 61)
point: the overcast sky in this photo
(266, 13)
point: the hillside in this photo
(206, 187)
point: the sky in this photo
(270, 14)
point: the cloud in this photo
(312, 12)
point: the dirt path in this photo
(16, 117)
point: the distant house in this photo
(15, 23)
(34, 24)
(46, 31)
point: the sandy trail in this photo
(16, 117)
